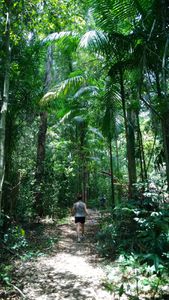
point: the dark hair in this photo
(79, 197)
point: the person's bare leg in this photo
(82, 229)
(78, 230)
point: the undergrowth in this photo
(138, 231)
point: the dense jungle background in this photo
(84, 98)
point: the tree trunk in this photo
(82, 157)
(11, 181)
(131, 147)
(40, 162)
(117, 157)
(111, 170)
(85, 181)
(165, 127)
(4, 102)
(165, 130)
(39, 176)
(130, 141)
(141, 152)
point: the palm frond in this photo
(66, 117)
(55, 36)
(70, 83)
(112, 101)
(93, 90)
(107, 44)
(143, 6)
(96, 131)
(95, 40)
(63, 88)
(123, 9)
(49, 96)
(109, 13)
(112, 96)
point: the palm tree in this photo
(131, 38)
(117, 61)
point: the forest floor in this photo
(57, 267)
(70, 270)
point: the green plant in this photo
(136, 280)
(107, 241)
(15, 238)
(148, 223)
(5, 273)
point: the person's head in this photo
(79, 197)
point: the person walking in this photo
(80, 211)
(102, 201)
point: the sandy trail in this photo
(71, 271)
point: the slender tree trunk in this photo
(129, 140)
(4, 102)
(40, 162)
(11, 186)
(165, 127)
(112, 174)
(39, 176)
(85, 181)
(140, 158)
(118, 186)
(165, 130)
(141, 152)
(131, 146)
(117, 157)
(79, 166)
(165, 115)
(83, 161)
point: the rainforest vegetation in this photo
(84, 98)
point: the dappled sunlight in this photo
(75, 264)
(71, 271)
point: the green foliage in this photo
(131, 37)
(107, 245)
(15, 238)
(126, 276)
(31, 254)
(115, 230)
(148, 223)
(6, 273)
(41, 238)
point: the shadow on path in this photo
(71, 270)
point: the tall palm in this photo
(118, 59)
(131, 46)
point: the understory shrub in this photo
(14, 238)
(137, 227)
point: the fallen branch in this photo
(17, 289)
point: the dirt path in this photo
(72, 271)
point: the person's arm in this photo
(73, 210)
(86, 211)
